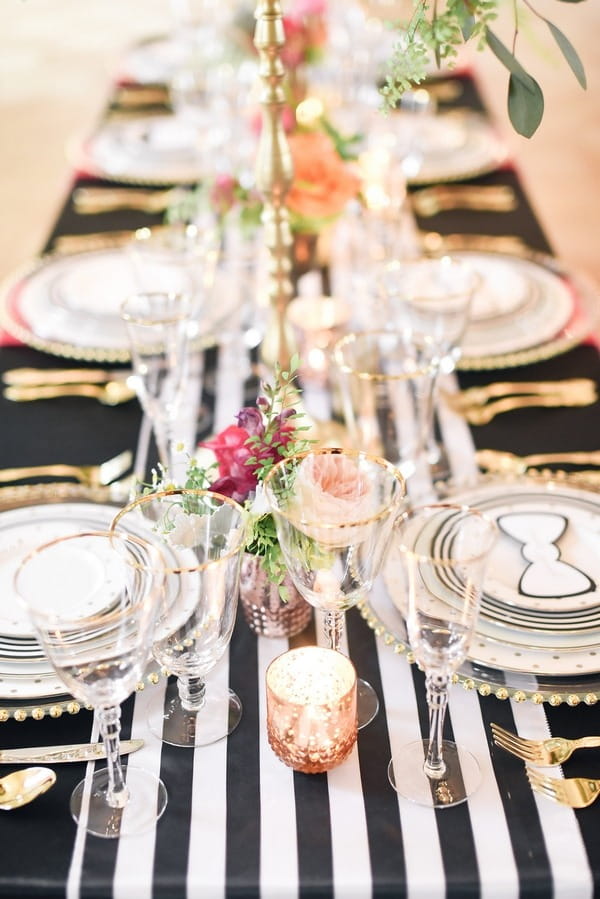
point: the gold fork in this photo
(501, 461)
(111, 393)
(553, 751)
(576, 792)
(482, 415)
(90, 475)
(476, 396)
(488, 197)
(91, 200)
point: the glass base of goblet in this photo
(219, 715)
(147, 801)
(460, 780)
(367, 703)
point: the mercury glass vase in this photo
(266, 614)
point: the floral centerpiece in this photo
(236, 461)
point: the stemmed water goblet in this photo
(92, 599)
(158, 331)
(202, 535)
(429, 300)
(334, 511)
(442, 550)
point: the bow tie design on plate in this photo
(546, 575)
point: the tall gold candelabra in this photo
(274, 173)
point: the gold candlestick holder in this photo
(274, 173)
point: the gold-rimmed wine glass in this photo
(442, 550)
(92, 598)
(202, 535)
(334, 511)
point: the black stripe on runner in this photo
(457, 845)
(567, 721)
(518, 801)
(386, 847)
(242, 863)
(44, 827)
(313, 827)
(99, 855)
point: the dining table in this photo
(238, 822)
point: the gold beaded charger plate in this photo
(29, 516)
(549, 536)
(68, 305)
(149, 149)
(449, 146)
(559, 309)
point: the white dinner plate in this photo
(449, 146)
(70, 304)
(26, 676)
(545, 562)
(152, 149)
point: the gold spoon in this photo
(24, 786)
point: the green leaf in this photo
(571, 1)
(525, 97)
(569, 52)
(525, 104)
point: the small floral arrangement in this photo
(236, 461)
(305, 29)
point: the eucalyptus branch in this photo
(436, 32)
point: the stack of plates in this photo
(540, 609)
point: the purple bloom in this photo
(251, 420)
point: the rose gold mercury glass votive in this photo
(311, 708)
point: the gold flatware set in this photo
(575, 792)
(430, 201)
(88, 475)
(479, 405)
(29, 384)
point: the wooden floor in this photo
(57, 58)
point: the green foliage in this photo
(437, 29)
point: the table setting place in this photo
(300, 587)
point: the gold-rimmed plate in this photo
(83, 328)
(562, 309)
(554, 667)
(33, 513)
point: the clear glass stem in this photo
(437, 701)
(333, 626)
(110, 728)
(192, 693)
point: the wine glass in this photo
(158, 330)
(386, 386)
(92, 599)
(334, 511)
(430, 300)
(202, 535)
(442, 550)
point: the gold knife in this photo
(76, 752)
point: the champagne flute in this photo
(158, 329)
(92, 599)
(202, 535)
(334, 511)
(442, 550)
(429, 300)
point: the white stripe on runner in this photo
(134, 866)
(571, 874)
(208, 824)
(423, 858)
(497, 867)
(352, 876)
(73, 884)
(278, 838)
